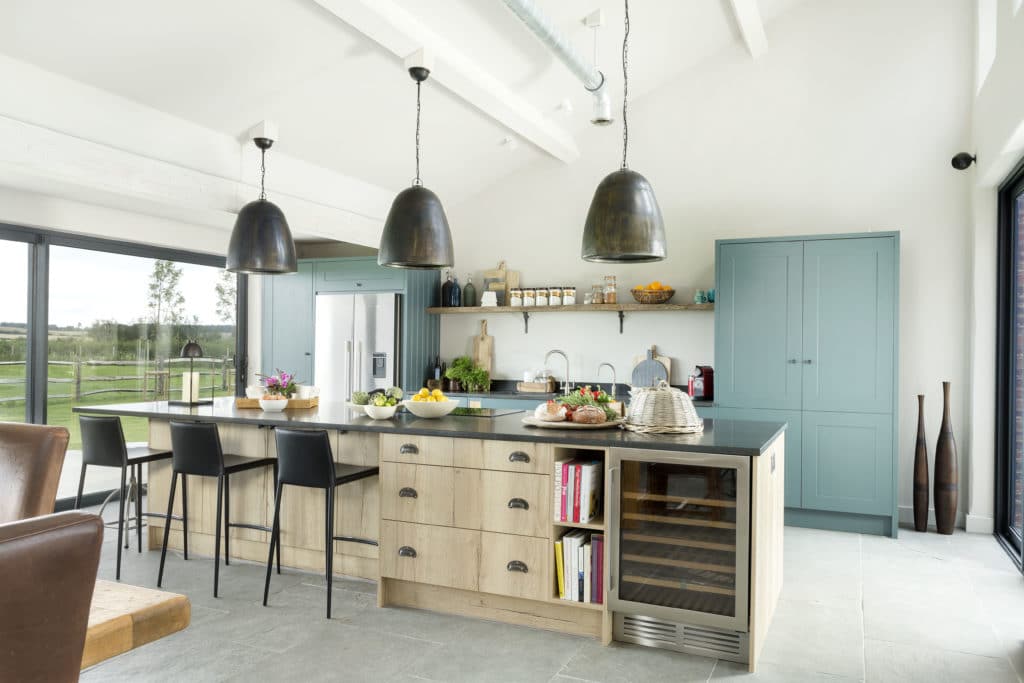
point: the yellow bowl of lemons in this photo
(652, 293)
(430, 404)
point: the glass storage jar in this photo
(515, 297)
(530, 297)
(542, 296)
(568, 296)
(554, 296)
(610, 295)
(597, 294)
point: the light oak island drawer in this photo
(516, 456)
(515, 565)
(437, 555)
(506, 502)
(417, 493)
(421, 450)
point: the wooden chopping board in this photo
(650, 369)
(483, 349)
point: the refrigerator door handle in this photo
(348, 353)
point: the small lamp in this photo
(192, 350)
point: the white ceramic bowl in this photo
(380, 412)
(273, 405)
(431, 409)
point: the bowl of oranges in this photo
(652, 293)
(427, 403)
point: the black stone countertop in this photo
(729, 437)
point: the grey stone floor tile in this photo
(341, 652)
(412, 623)
(627, 663)
(816, 638)
(500, 652)
(768, 672)
(910, 664)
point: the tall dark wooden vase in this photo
(947, 479)
(920, 471)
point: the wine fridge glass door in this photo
(680, 534)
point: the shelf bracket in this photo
(622, 319)
(526, 322)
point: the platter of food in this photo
(582, 409)
(565, 424)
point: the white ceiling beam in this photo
(48, 162)
(748, 19)
(402, 34)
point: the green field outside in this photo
(119, 384)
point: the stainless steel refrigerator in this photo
(356, 345)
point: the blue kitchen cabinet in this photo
(808, 326)
(288, 323)
(357, 275)
(757, 325)
(848, 462)
(849, 328)
(794, 454)
(706, 412)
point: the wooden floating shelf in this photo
(525, 311)
(570, 309)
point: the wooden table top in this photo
(123, 617)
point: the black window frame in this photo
(37, 315)
(1006, 322)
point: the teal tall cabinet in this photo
(806, 332)
(289, 304)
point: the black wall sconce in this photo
(963, 160)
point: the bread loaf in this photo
(550, 412)
(591, 415)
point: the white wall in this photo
(998, 141)
(847, 124)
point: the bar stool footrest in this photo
(353, 539)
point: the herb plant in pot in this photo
(463, 375)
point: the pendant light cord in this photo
(263, 174)
(417, 181)
(625, 88)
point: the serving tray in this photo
(543, 424)
(293, 403)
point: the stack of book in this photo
(579, 484)
(579, 566)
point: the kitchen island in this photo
(466, 513)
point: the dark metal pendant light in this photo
(624, 223)
(416, 233)
(261, 241)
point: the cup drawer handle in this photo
(407, 551)
(408, 449)
(408, 492)
(517, 566)
(518, 503)
(518, 456)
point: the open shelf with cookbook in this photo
(578, 533)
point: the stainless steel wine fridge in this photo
(680, 551)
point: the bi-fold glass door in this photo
(680, 530)
(1010, 369)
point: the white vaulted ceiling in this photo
(342, 101)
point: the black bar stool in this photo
(103, 445)
(196, 450)
(305, 459)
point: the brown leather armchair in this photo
(47, 574)
(31, 458)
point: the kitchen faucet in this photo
(612, 368)
(566, 384)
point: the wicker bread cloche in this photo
(662, 409)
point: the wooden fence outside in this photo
(156, 380)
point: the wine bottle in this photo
(469, 293)
(456, 294)
(446, 291)
(437, 367)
